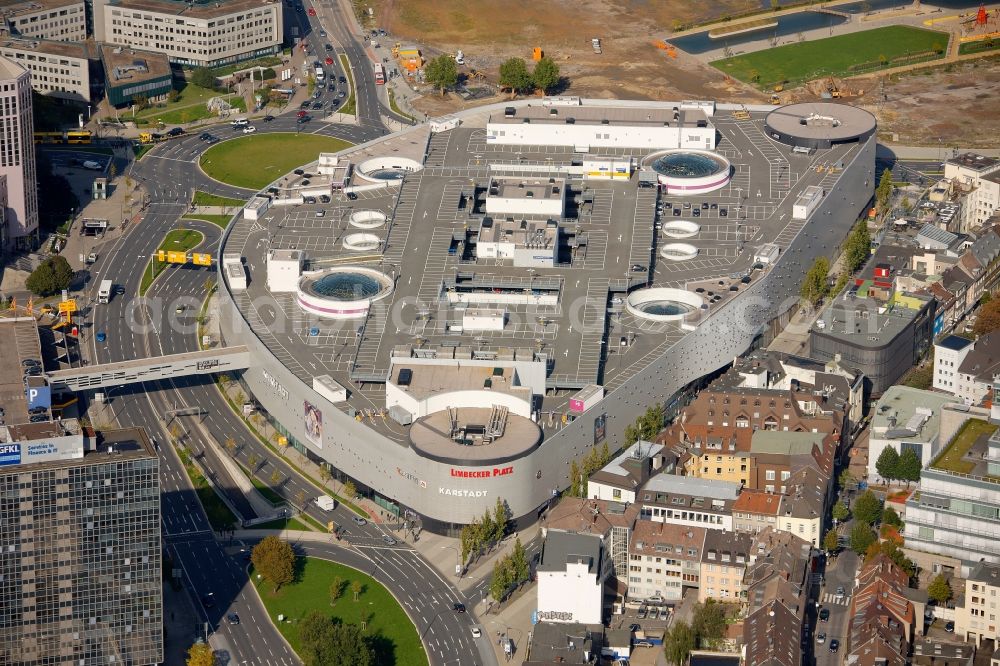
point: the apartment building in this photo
(197, 34)
(611, 521)
(56, 20)
(978, 177)
(724, 560)
(906, 418)
(966, 369)
(664, 559)
(620, 479)
(81, 576)
(977, 618)
(956, 513)
(17, 156)
(683, 500)
(572, 569)
(58, 69)
(755, 510)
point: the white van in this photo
(239, 122)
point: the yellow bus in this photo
(77, 137)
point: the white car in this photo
(249, 129)
(476, 633)
(93, 166)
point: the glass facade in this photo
(80, 562)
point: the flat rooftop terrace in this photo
(572, 313)
(599, 115)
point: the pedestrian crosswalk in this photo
(839, 599)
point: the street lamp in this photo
(458, 557)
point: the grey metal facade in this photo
(443, 500)
(882, 365)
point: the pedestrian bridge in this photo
(150, 369)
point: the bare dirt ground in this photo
(955, 103)
(630, 67)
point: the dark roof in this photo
(984, 572)
(955, 342)
(561, 548)
(551, 640)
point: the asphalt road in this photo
(151, 326)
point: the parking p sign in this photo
(39, 396)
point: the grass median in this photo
(844, 55)
(205, 199)
(391, 632)
(256, 160)
(219, 515)
(351, 105)
(176, 240)
(218, 220)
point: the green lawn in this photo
(178, 240)
(206, 199)
(217, 220)
(979, 47)
(218, 513)
(835, 56)
(269, 494)
(395, 637)
(284, 524)
(951, 458)
(256, 160)
(351, 105)
(395, 107)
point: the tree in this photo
(52, 276)
(501, 580)
(230, 445)
(884, 190)
(755, 76)
(300, 499)
(862, 536)
(574, 479)
(546, 74)
(350, 490)
(891, 549)
(274, 559)
(253, 460)
(940, 589)
(814, 284)
(327, 641)
(868, 508)
(337, 586)
(646, 427)
(141, 102)
(846, 478)
(857, 248)
(988, 319)
(204, 78)
(201, 654)
(519, 562)
(275, 476)
(887, 464)
(831, 542)
(173, 96)
(356, 588)
(175, 432)
(441, 72)
(890, 517)
(909, 467)
(709, 621)
(514, 75)
(500, 518)
(324, 474)
(678, 643)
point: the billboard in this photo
(600, 428)
(313, 420)
(10, 454)
(39, 396)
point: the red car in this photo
(311, 12)
(301, 114)
(329, 61)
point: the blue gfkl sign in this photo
(10, 454)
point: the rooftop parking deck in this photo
(573, 314)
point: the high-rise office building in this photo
(80, 552)
(17, 155)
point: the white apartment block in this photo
(58, 20)
(207, 35)
(58, 69)
(949, 352)
(978, 617)
(17, 155)
(979, 177)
